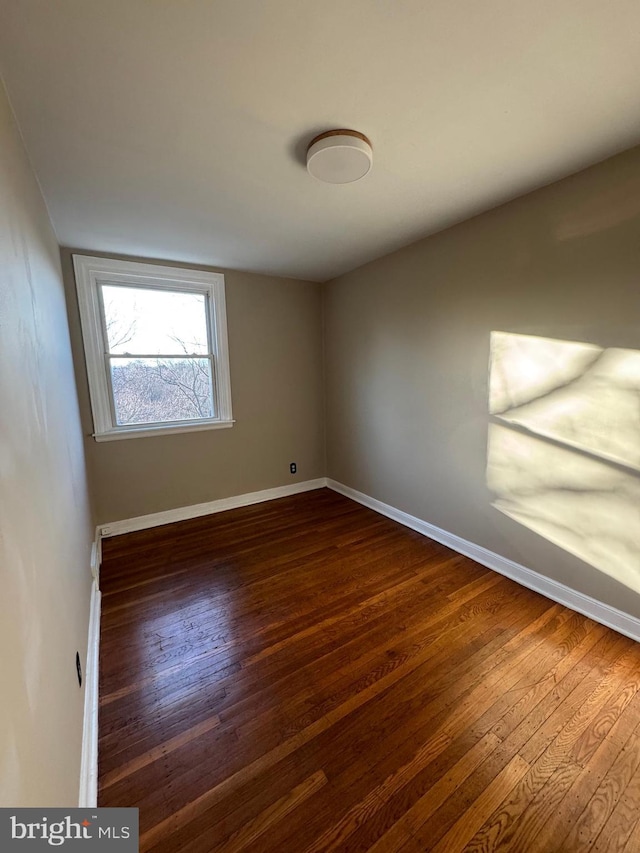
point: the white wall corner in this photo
(88, 795)
(619, 621)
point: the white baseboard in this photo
(96, 557)
(619, 621)
(142, 522)
(88, 797)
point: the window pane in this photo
(157, 390)
(145, 321)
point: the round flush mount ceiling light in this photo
(339, 156)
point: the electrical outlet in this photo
(293, 467)
(79, 669)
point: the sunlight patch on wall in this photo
(564, 446)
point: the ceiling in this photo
(177, 130)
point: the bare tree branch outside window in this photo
(157, 389)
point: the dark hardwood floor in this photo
(305, 675)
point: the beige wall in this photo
(275, 348)
(407, 352)
(45, 526)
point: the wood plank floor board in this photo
(339, 594)
(117, 733)
(402, 720)
(622, 820)
(555, 759)
(305, 675)
(418, 647)
(223, 650)
(297, 678)
(340, 752)
(398, 557)
(599, 791)
(276, 753)
(466, 740)
(473, 786)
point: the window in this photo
(155, 341)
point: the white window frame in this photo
(90, 274)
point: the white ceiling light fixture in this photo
(339, 156)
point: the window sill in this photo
(146, 431)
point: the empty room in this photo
(320, 434)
